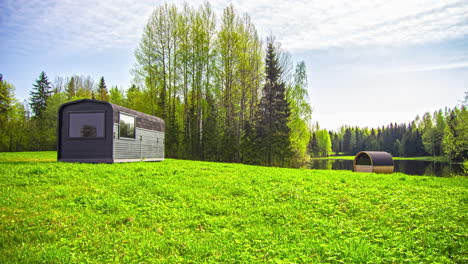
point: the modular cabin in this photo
(93, 131)
(373, 161)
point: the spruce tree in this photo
(71, 88)
(39, 95)
(102, 90)
(273, 113)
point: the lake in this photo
(411, 167)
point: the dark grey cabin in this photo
(94, 131)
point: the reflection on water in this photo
(411, 167)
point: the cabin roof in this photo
(142, 120)
(377, 158)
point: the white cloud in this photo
(299, 24)
(325, 24)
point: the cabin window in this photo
(86, 125)
(126, 126)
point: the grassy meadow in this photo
(179, 211)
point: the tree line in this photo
(225, 96)
(223, 93)
(31, 125)
(222, 96)
(443, 133)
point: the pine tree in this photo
(102, 90)
(71, 88)
(273, 132)
(40, 94)
(347, 146)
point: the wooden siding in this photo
(363, 168)
(147, 145)
(376, 169)
(383, 169)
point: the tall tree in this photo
(298, 98)
(273, 133)
(228, 49)
(6, 107)
(456, 137)
(6, 98)
(428, 134)
(40, 94)
(324, 145)
(70, 89)
(102, 90)
(58, 85)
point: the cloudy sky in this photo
(369, 62)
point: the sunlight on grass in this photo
(194, 212)
(35, 156)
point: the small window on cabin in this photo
(126, 126)
(86, 125)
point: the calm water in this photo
(411, 167)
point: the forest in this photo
(444, 133)
(225, 95)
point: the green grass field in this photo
(199, 212)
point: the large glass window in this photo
(126, 126)
(86, 125)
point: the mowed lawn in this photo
(179, 211)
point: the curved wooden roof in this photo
(377, 158)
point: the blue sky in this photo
(369, 62)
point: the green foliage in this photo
(39, 95)
(298, 99)
(433, 133)
(204, 80)
(273, 132)
(80, 87)
(10, 122)
(102, 90)
(456, 134)
(116, 96)
(71, 89)
(200, 212)
(436, 135)
(320, 144)
(6, 99)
